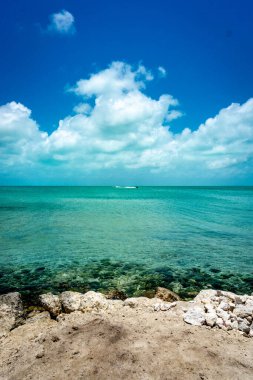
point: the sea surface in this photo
(126, 241)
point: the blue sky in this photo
(206, 49)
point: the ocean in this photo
(126, 242)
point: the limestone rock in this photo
(211, 318)
(44, 315)
(11, 312)
(71, 301)
(164, 306)
(136, 302)
(243, 311)
(195, 316)
(244, 326)
(51, 303)
(205, 295)
(166, 295)
(93, 301)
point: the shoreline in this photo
(95, 337)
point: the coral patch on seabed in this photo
(118, 279)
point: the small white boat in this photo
(126, 187)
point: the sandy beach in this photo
(125, 340)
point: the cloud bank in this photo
(62, 23)
(119, 134)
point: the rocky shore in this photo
(144, 338)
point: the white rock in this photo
(141, 302)
(164, 306)
(244, 326)
(224, 306)
(243, 311)
(195, 316)
(210, 308)
(205, 296)
(220, 323)
(234, 325)
(51, 303)
(223, 314)
(211, 318)
(93, 301)
(71, 301)
(229, 295)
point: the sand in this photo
(123, 343)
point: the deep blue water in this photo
(129, 240)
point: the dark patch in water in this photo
(119, 279)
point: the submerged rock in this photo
(11, 312)
(166, 295)
(51, 303)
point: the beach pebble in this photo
(51, 303)
(195, 316)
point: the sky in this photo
(96, 92)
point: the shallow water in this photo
(129, 240)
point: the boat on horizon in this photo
(126, 187)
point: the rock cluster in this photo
(68, 302)
(225, 310)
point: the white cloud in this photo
(162, 72)
(123, 132)
(62, 22)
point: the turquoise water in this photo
(126, 240)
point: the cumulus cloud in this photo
(118, 130)
(62, 22)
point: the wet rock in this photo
(11, 312)
(195, 316)
(71, 301)
(51, 303)
(166, 295)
